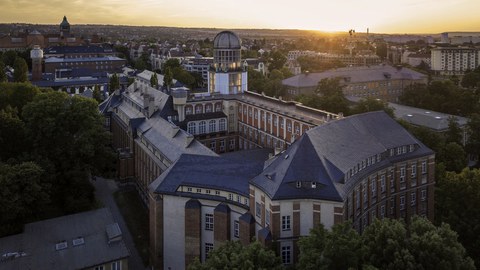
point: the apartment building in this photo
(454, 60)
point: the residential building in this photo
(87, 240)
(454, 60)
(383, 82)
(460, 38)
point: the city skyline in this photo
(408, 16)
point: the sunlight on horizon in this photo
(407, 16)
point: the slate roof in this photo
(229, 173)
(82, 59)
(39, 240)
(355, 75)
(77, 49)
(323, 155)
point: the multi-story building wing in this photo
(454, 60)
(383, 82)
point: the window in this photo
(357, 197)
(413, 198)
(101, 267)
(199, 190)
(392, 152)
(374, 186)
(364, 192)
(192, 126)
(382, 183)
(239, 199)
(208, 108)
(230, 196)
(404, 149)
(208, 248)
(189, 189)
(231, 144)
(289, 127)
(402, 202)
(412, 147)
(207, 191)
(402, 174)
(217, 192)
(117, 265)
(286, 254)
(209, 222)
(212, 125)
(222, 125)
(236, 229)
(188, 110)
(424, 167)
(258, 209)
(414, 170)
(213, 146)
(285, 223)
(201, 127)
(382, 211)
(245, 201)
(267, 217)
(399, 150)
(424, 195)
(218, 107)
(222, 145)
(198, 109)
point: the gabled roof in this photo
(324, 154)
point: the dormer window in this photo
(314, 184)
(299, 184)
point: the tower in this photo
(37, 55)
(227, 75)
(64, 28)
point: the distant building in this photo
(28, 39)
(88, 240)
(454, 60)
(383, 82)
(366, 58)
(460, 38)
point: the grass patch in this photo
(136, 217)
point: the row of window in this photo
(199, 108)
(209, 221)
(117, 265)
(231, 196)
(202, 126)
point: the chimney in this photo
(188, 140)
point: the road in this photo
(104, 189)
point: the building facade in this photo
(454, 60)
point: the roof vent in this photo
(314, 184)
(286, 156)
(78, 241)
(61, 245)
(114, 233)
(438, 117)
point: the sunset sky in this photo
(381, 16)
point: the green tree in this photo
(277, 61)
(436, 247)
(8, 58)
(309, 100)
(371, 104)
(471, 79)
(67, 133)
(154, 80)
(97, 95)
(457, 202)
(183, 76)
(168, 78)
(20, 73)
(17, 95)
(331, 96)
(234, 255)
(23, 195)
(382, 50)
(3, 75)
(171, 63)
(256, 81)
(114, 83)
(473, 131)
(12, 134)
(453, 156)
(454, 132)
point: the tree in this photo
(168, 78)
(183, 76)
(453, 156)
(171, 63)
(67, 134)
(114, 83)
(371, 104)
(97, 95)
(3, 75)
(234, 255)
(454, 132)
(23, 195)
(154, 80)
(12, 134)
(17, 95)
(277, 60)
(471, 79)
(8, 58)
(457, 202)
(20, 73)
(473, 131)
(256, 80)
(331, 96)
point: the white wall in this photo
(174, 232)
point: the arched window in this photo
(192, 126)
(222, 125)
(201, 127)
(212, 126)
(208, 108)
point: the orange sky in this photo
(381, 16)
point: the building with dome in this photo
(228, 74)
(231, 164)
(64, 28)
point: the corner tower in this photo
(227, 75)
(37, 55)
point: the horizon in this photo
(407, 17)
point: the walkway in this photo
(104, 189)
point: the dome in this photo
(227, 40)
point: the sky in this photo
(380, 16)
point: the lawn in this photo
(136, 216)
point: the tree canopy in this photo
(332, 98)
(457, 199)
(384, 244)
(114, 83)
(234, 255)
(3, 75)
(20, 73)
(154, 80)
(371, 104)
